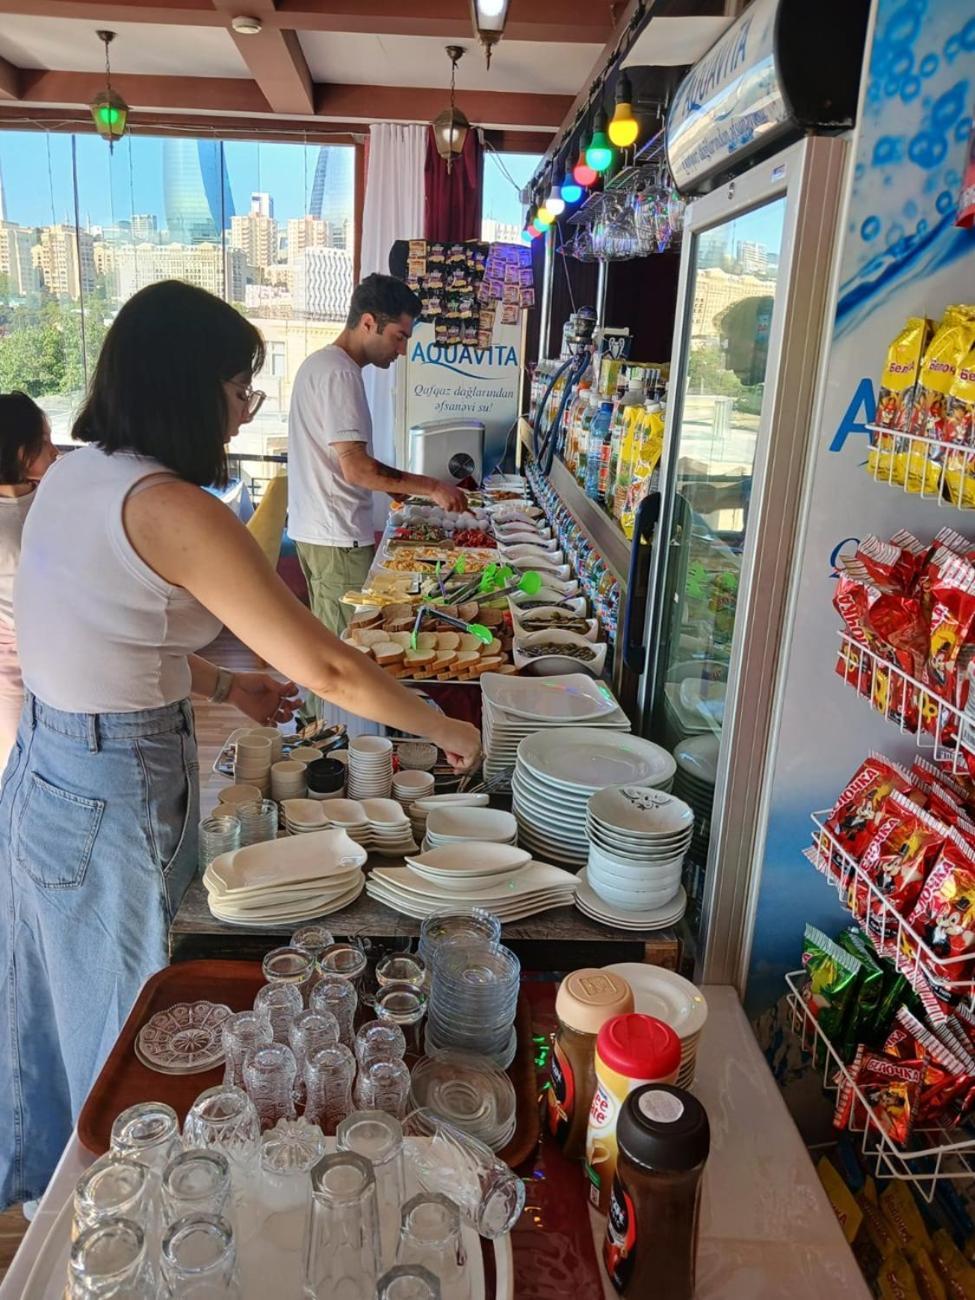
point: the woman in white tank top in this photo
(129, 566)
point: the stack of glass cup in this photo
(473, 1000)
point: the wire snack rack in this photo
(930, 468)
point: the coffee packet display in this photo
(918, 464)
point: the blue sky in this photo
(38, 178)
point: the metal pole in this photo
(545, 309)
(601, 286)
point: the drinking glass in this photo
(457, 924)
(242, 1033)
(344, 959)
(408, 1282)
(224, 1119)
(385, 1085)
(313, 938)
(199, 1258)
(114, 1187)
(337, 996)
(379, 1138)
(430, 1236)
(464, 1170)
(149, 1132)
(401, 968)
(328, 1086)
(308, 1032)
(279, 1004)
(378, 1040)
(290, 966)
(269, 1080)
(342, 1244)
(258, 821)
(404, 1005)
(110, 1259)
(218, 834)
(196, 1182)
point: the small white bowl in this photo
(555, 664)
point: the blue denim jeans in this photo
(98, 842)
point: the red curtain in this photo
(453, 202)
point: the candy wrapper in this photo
(896, 393)
(952, 592)
(946, 1079)
(957, 1272)
(944, 916)
(896, 861)
(960, 430)
(833, 974)
(856, 813)
(862, 1023)
(890, 1089)
(918, 465)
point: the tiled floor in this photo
(214, 723)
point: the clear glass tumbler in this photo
(279, 1004)
(148, 1131)
(199, 1259)
(408, 1282)
(196, 1182)
(310, 1031)
(342, 1242)
(290, 966)
(110, 1259)
(430, 1236)
(258, 821)
(115, 1187)
(269, 1081)
(242, 1033)
(328, 1086)
(379, 1138)
(224, 1119)
(401, 968)
(385, 1086)
(404, 1005)
(337, 996)
(346, 960)
(379, 1040)
(218, 834)
(312, 938)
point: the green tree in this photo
(706, 373)
(32, 359)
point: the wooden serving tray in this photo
(124, 1080)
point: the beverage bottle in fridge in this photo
(646, 460)
(634, 424)
(585, 428)
(597, 455)
(576, 411)
(634, 397)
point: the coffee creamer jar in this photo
(630, 1050)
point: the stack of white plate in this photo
(637, 840)
(656, 918)
(558, 770)
(420, 811)
(370, 767)
(697, 770)
(303, 816)
(410, 785)
(516, 707)
(291, 879)
(497, 877)
(673, 999)
(377, 824)
(459, 825)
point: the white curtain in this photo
(393, 210)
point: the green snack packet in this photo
(861, 1025)
(833, 976)
(897, 992)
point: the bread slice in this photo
(366, 618)
(468, 641)
(490, 664)
(468, 611)
(419, 658)
(370, 635)
(444, 659)
(448, 641)
(491, 617)
(405, 639)
(490, 650)
(426, 641)
(392, 612)
(467, 657)
(388, 652)
(404, 624)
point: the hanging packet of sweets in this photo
(896, 625)
(896, 393)
(924, 770)
(861, 1026)
(918, 464)
(877, 563)
(833, 974)
(897, 861)
(952, 614)
(944, 916)
(890, 1090)
(914, 553)
(896, 1280)
(957, 1272)
(945, 1075)
(853, 819)
(953, 541)
(960, 431)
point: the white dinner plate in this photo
(292, 860)
(309, 913)
(668, 996)
(582, 758)
(572, 697)
(472, 857)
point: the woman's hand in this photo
(461, 742)
(263, 698)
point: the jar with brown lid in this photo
(585, 1001)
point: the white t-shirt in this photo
(13, 512)
(328, 405)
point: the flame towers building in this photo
(196, 191)
(332, 192)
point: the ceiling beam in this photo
(272, 128)
(274, 58)
(9, 80)
(348, 103)
(576, 21)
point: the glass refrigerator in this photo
(757, 265)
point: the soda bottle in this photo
(597, 454)
(582, 441)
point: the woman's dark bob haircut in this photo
(158, 385)
(21, 435)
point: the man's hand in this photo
(449, 497)
(263, 698)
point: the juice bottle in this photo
(585, 425)
(575, 411)
(634, 397)
(597, 454)
(645, 461)
(633, 427)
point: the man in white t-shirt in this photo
(332, 472)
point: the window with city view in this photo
(267, 227)
(502, 211)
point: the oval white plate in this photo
(476, 857)
(491, 824)
(584, 758)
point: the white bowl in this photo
(646, 882)
(591, 633)
(413, 779)
(574, 604)
(631, 900)
(490, 825)
(555, 664)
(633, 868)
(371, 747)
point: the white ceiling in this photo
(669, 42)
(152, 49)
(375, 60)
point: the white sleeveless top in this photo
(97, 630)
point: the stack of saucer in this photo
(462, 825)
(390, 832)
(637, 840)
(411, 784)
(288, 780)
(370, 767)
(252, 762)
(672, 999)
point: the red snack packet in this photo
(939, 801)
(944, 915)
(876, 564)
(914, 553)
(952, 613)
(954, 542)
(898, 859)
(890, 1089)
(922, 771)
(855, 816)
(895, 627)
(946, 1076)
(844, 1094)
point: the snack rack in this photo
(936, 1153)
(940, 726)
(919, 449)
(891, 931)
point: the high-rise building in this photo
(333, 192)
(321, 283)
(305, 232)
(262, 205)
(220, 272)
(145, 228)
(715, 290)
(712, 249)
(196, 190)
(498, 232)
(752, 257)
(257, 236)
(65, 257)
(16, 260)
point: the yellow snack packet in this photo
(958, 1275)
(876, 1226)
(896, 393)
(901, 1212)
(918, 464)
(896, 1280)
(929, 1281)
(960, 430)
(843, 1201)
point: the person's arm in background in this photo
(363, 470)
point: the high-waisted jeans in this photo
(98, 843)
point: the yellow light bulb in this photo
(543, 217)
(624, 128)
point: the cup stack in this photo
(275, 737)
(252, 762)
(288, 780)
(473, 1000)
(325, 779)
(370, 767)
(258, 822)
(412, 784)
(231, 795)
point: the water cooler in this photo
(450, 450)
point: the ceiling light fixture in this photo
(244, 25)
(108, 109)
(582, 173)
(451, 126)
(624, 128)
(489, 18)
(543, 217)
(599, 153)
(555, 202)
(570, 188)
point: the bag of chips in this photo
(897, 860)
(952, 614)
(856, 814)
(896, 393)
(918, 464)
(890, 1090)
(862, 1026)
(833, 974)
(944, 915)
(960, 430)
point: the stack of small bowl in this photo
(253, 757)
(288, 780)
(325, 778)
(638, 837)
(468, 1091)
(370, 767)
(411, 784)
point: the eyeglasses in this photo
(252, 398)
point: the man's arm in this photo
(363, 470)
